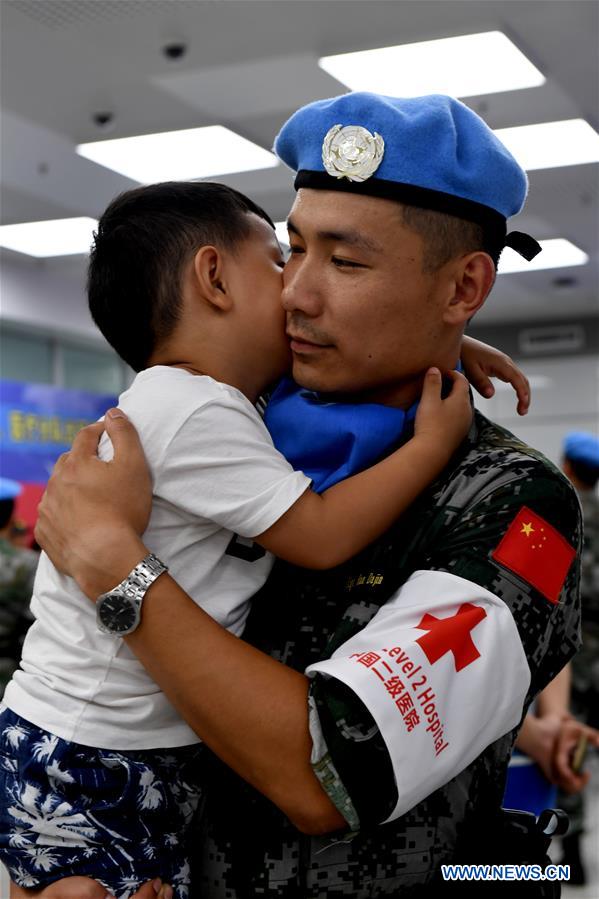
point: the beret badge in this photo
(352, 152)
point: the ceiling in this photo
(249, 64)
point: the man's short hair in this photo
(144, 239)
(587, 473)
(445, 236)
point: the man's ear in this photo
(472, 278)
(209, 275)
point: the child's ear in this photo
(209, 274)
(471, 281)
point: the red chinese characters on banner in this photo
(536, 552)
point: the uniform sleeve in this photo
(448, 664)
(221, 465)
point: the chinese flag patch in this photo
(535, 551)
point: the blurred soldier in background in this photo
(581, 465)
(17, 571)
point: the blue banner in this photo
(38, 422)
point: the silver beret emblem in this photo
(352, 152)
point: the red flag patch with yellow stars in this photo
(535, 551)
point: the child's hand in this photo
(482, 362)
(443, 423)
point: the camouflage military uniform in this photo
(17, 572)
(585, 664)
(248, 848)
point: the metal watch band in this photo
(138, 581)
(118, 611)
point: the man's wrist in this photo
(117, 554)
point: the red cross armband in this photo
(442, 670)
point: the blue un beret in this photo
(582, 447)
(9, 489)
(433, 152)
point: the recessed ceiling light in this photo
(557, 253)
(464, 66)
(179, 155)
(552, 144)
(59, 237)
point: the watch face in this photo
(117, 613)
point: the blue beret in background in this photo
(9, 489)
(580, 446)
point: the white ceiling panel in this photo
(248, 65)
(264, 86)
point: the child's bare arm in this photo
(326, 530)
(482, 362)
(66, 888)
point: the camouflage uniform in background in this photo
(247, 846)
(585, 664)
(17, 573)
(584, 702)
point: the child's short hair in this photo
(143, 240)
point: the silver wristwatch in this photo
(118, 612)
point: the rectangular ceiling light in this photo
(179, 155)
(60, 237)
(552, 144)
(557, 253)
(463, 66)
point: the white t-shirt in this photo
(216, 474)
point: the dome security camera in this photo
(103, 119)
(175, 50)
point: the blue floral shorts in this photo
(119, 817)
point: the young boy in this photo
(101, 775)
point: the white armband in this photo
(442, 670)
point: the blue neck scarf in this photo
(330, 441)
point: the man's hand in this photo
(538, 739)
(93, 511)
(550, 741)
(563, 775)
(482, 362)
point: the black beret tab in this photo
(523, 244)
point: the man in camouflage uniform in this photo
(581, 466)
(422, 653)
(454, 527)
(17, 572)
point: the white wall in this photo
(565, 397)
(40, 296)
